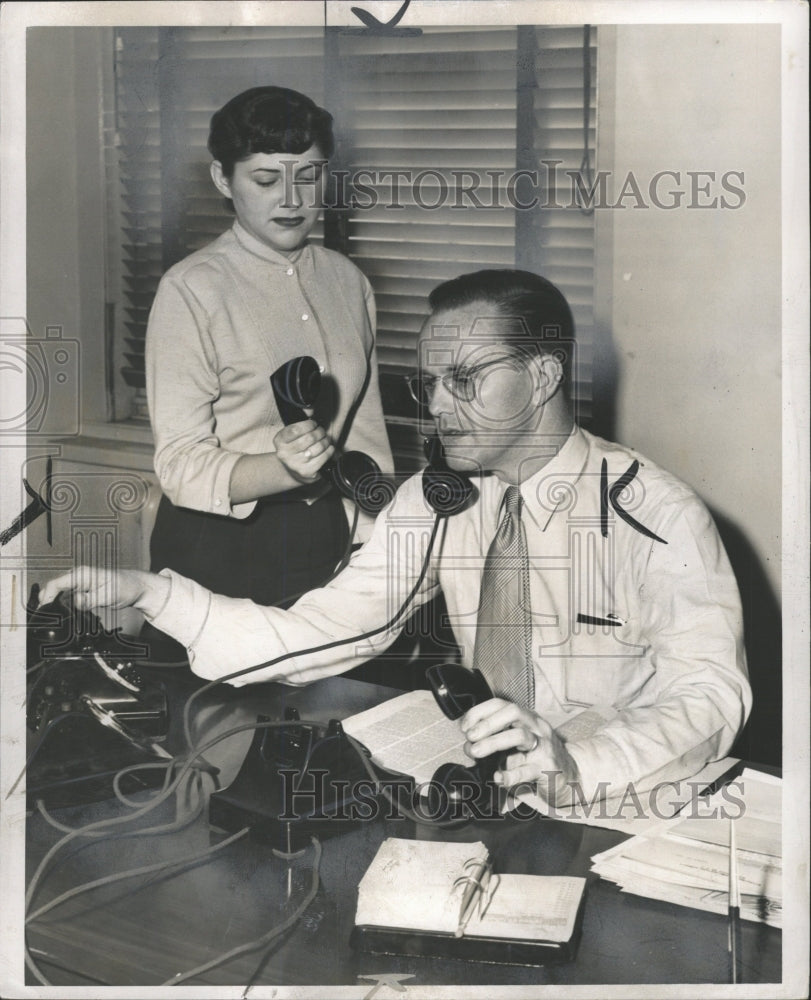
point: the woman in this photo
(244, 511)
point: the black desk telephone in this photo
(301, 778)
(90, 711)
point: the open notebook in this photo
(442, 899)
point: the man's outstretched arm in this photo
(224, 635)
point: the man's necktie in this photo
(503, 650)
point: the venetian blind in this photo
(169, 81)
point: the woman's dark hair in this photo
(268, 120)
(538, 307)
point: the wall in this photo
(692, 296)
(65, 198)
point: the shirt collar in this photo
(537, 492)
(255, 246)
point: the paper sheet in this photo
(409, 735)
(530, 907)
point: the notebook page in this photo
(410, 885)
(530, 907)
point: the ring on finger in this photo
(308, 453)
(535, 741)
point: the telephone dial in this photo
(90, 710)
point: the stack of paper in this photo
(686, 860)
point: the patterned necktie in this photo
(503, 650)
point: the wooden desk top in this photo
(143, 931)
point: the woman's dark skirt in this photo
(285, 548)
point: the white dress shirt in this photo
(648, 633)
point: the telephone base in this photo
(296, 781)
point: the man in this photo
(589, 586)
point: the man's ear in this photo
(550, 376)
(221, 182)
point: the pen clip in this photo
(476, 885)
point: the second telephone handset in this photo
(357, 476)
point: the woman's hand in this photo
(94, 588)
(538, 758)
(303, 448)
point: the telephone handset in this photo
(457, 690)
(296, 384)
(446, 491)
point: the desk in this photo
(141, 933)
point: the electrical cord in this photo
(185, 863)
(185, 765)
(156, 866)
(47, 957)
(150, 766)
(175, 664)
(262, 963)
(176, 824)
(265, 939)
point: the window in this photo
(452, 155)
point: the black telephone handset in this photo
(457, 690)
(446, 491)
(296, 384)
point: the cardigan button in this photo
(305, 316)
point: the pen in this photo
(733, 907)
(472, 887)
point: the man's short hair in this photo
(520, 295)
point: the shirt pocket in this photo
(604, 664)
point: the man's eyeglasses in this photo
(461, 383)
